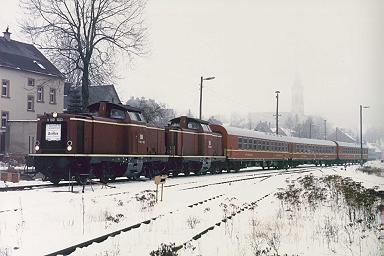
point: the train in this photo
(114, 140)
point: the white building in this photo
(30, 85)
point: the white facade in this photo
(28, 94)
(29, 85)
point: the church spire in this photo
(297, 97)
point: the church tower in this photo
(297, 98)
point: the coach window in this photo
(263, 145)
(258, 144)
(267, 145)
(250, 144)
(273, 145)
(245, 143)
(240, 143)
(254, 144)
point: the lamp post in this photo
(277, 112)
(361, 133)
(310, 130)
(325, 129)
(201, 91)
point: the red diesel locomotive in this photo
(113, 140)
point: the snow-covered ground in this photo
(226, 214)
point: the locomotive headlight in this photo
(69, 145)
(37, 145)
(54, 114)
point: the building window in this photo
(31, 82)
(30, 103)
(40, 94)
(5, 88)
(4, 119)
(52, 96)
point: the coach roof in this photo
(271, 136)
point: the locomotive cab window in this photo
(94, 112)
(206, 127)
(177, 124)
(117, 114)
(136, 116)
(193, 126)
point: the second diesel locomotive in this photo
(113, 140)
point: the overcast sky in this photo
(254, 48)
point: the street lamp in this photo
(277, 112)
(361, 133)
(201, 91)
(310, 130)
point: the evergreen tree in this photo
(75, 104)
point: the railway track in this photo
(123, 180)
(203, 204)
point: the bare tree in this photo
(83, 37)
(152, 111)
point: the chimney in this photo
(7, 35)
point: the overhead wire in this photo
(183, 83)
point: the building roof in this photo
(263, 127)
(103, 93)
(26, 57)
(96, 94)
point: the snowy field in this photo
(225, 214)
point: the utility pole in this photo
(201, 92)
(277, 112)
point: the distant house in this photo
(263, 127)
(30, 85)
(340, 135)
(96, 94)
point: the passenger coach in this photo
(246, 148)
